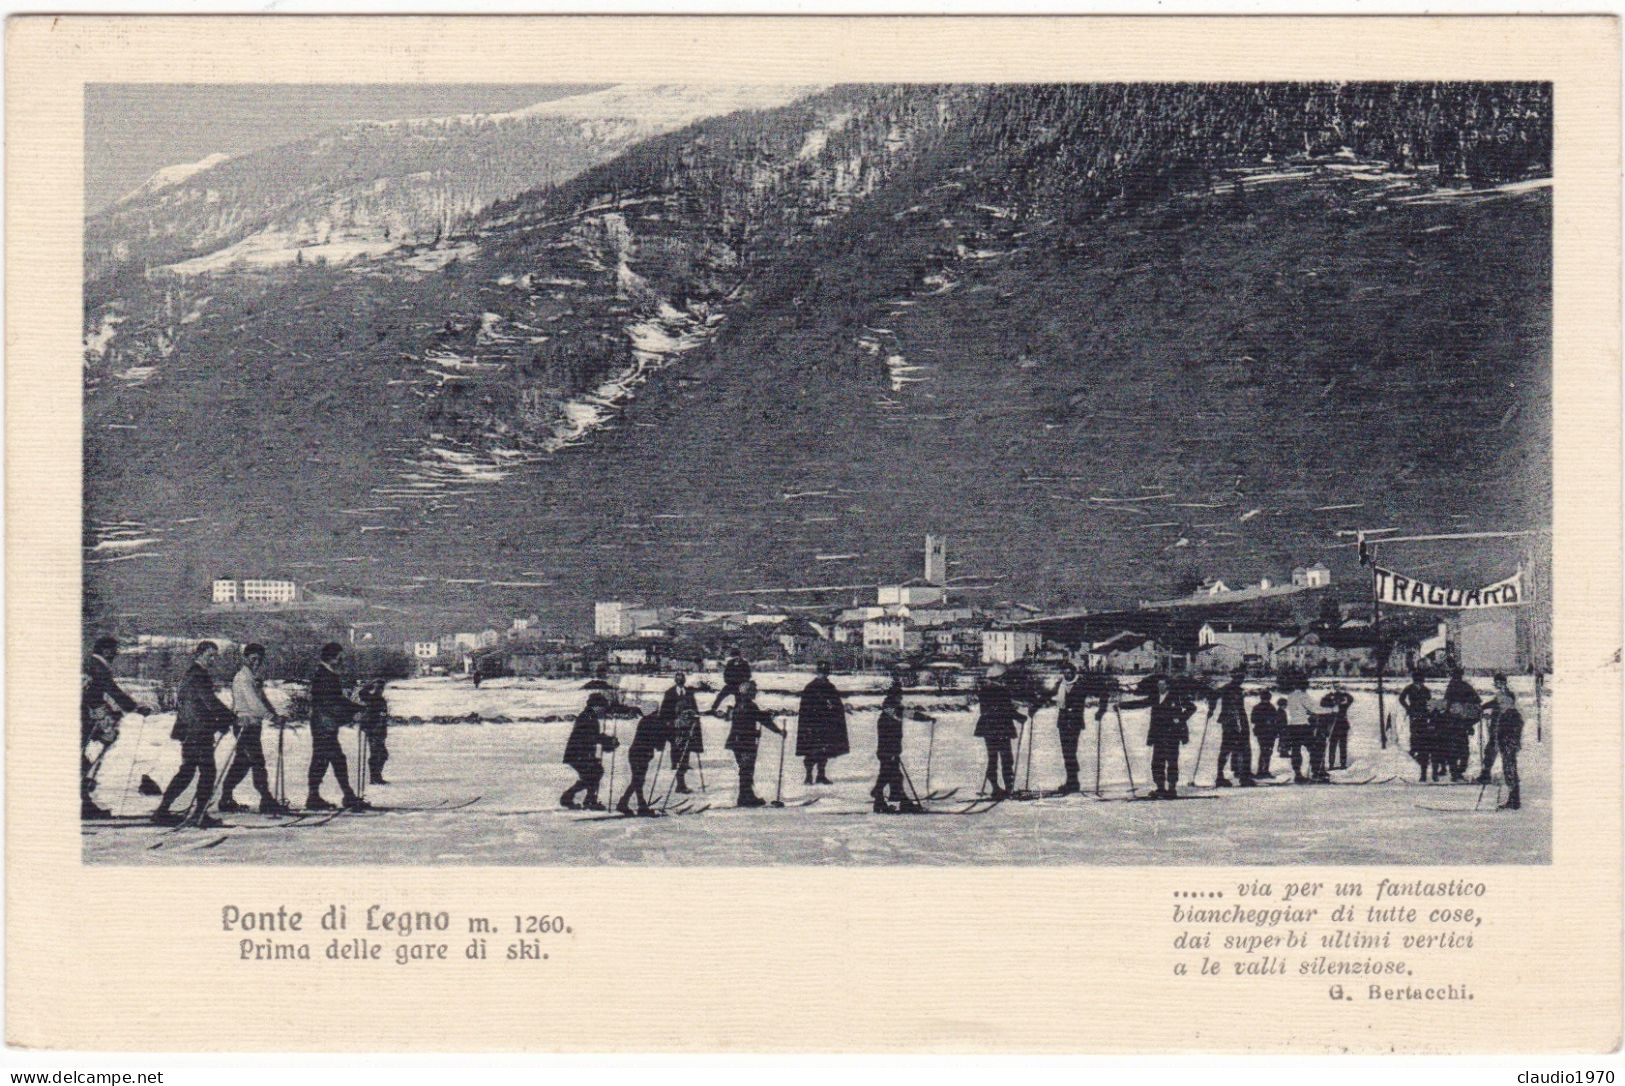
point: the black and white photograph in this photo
(885, 474)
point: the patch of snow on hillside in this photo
(172, 175)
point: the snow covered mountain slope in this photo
(368, 187)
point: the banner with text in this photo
(1398, 590)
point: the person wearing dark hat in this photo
(1267, 730)
(821, 726)
(1337, 741)
(581, 752)
(101, 702)
(200, 717)
(252, 709)
(1234, 750)
(330, 709)
(651, 735)
(1414, 700)
(681, 717)
(746, 720)
(1506, 730)
(1071, 698)
(889, 751)
(1168, 731)
(996, 727)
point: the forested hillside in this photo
(1095, 334)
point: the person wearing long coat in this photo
(1168, 731)
(1414, 700)
(199, 719)
(821, 727)
(681, 716)
(996, 727)
(1234, 749)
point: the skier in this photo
(1506, 725)
(744, 733)
(374, 724)
(996, 726)
(1337, 751)
(199, 719)
(1168, 731)
(587, 738)
(1072, 697)
(821, 726)
(1463, 708)
(101, 702)
(681, 717)
(249, 704)
(1414, 700)
(889, 751)
(1304, 732)
(735, 673)
(330, 709)
(1501, 701)
(1267, 731)
(652, 733)
(1233, 745)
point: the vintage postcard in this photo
(1109, 512)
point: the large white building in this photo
(1006, 645)
(614, 618)
(254, 590)
(1315, 576)
(890, 634)
(423, 650)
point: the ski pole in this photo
(1122, 738)
(676, 760)
(1200, 747)
(1100, 730)
(778, 791)
(930, 747)
(129, 778)
(281, 781)
(915, 792)
(1032, 741)
(615, 753)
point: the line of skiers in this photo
(202, 719)
(1288, 721)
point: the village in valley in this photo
(945, 637)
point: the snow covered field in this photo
(514, 771)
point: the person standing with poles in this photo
(889, 752)
(200, 718)
(1234, 749)
(373, 721)
(996, 727)
(102, 701)
(821, 726)
(249, 703)
(681, 717)
(1168, 730)
(1506, 728)
(744, 738)
(330, 709)
(1071, 698)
